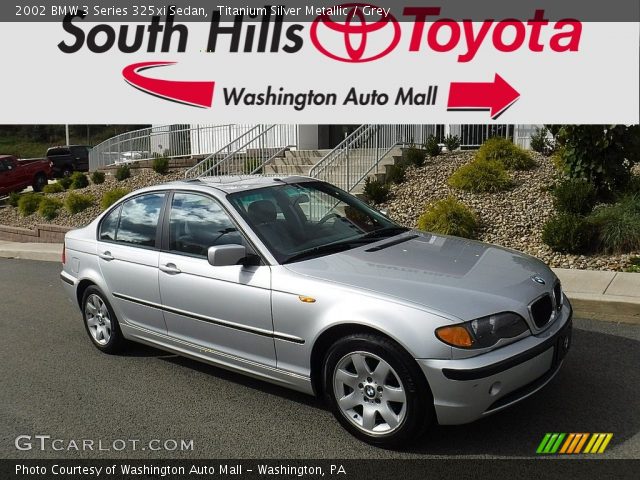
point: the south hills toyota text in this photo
(426, 29)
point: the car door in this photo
(80, 156)
(5, 177)
(224, 309)
(128, 258)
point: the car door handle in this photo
(106, 256)
(170, 268)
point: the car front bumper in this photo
(467, 389)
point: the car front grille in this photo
(542, 310)
(557, 295)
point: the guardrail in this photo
(173, 141)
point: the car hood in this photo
(454, 276)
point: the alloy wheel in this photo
(369, 393)
(98, 320)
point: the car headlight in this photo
(483, 332)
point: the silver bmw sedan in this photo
(293, 281)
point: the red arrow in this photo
(197, 94)
(495, 96)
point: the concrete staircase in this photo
(299, 162)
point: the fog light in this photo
(495, 388)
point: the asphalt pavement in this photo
(54, 382)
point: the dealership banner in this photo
(431, 61)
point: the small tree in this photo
(601, 154)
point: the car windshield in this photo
(298, 221)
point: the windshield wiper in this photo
(323, 250)
(385, 232)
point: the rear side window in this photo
(139, 220)
(109, 226)
(52, 152)
(135, 222)
(79, 151)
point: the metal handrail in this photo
(250, 152)
(197, 169)
(172, 141)
(360, 153)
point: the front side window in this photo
(139, 220)
(198, 222)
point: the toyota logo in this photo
(364, 40)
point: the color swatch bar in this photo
(574, 443)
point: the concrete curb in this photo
(47, 252)
(608, 296)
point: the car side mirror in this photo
(226, 255)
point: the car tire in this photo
(39, 182)
(100, 322)
(67, 171)
(376, 390)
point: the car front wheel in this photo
(376, 390)
(100, 322)
(39, 182)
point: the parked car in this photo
(16, 175)
(68, 159)
(296, 282)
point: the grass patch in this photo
(77, 202)
(449, 217)
(49, 207)
(506, 152)
(481, 176)
(112, 196)
(28, 203)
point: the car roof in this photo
(230, 184)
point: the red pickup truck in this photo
(16, 175)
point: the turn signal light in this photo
(456, 335)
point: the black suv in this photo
(69, 159)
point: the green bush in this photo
(14, 198)
(396, 173)
(53, 188)
(65, 182)
(375, 191)
(251, 164)
(452, 142)
(568, 233)
(540, 141)
(481, 176)
(601, 154)
(449, 217)
(574, 196)
(112, 196)
(79, 180)
(77, 202)
(28, 203)
(432, 147)
(635, 265)
(414, 156)
(160, 165)
(634, 185)
(123, 172)
(618, 226)
(504, 151)
(97, 177)
(49, 207)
